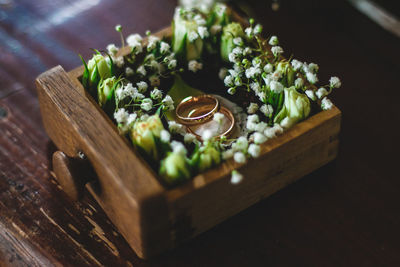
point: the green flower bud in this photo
(146, 135)
(288, 72)
(186, 43)
(230, 32)
(99, 68)
(106, 91)
(205, 158)
(175, 168)
(218, 15)
(296, 107)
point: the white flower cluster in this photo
(310, 71)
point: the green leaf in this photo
(85, 76)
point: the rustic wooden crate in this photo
(151, 217)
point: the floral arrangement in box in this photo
(208, 54)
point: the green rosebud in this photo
(186, 41)
(288, 72)
(218, 16)
(99, 68)
(230, 32)
(146, 135)
(106, 91)
(296, 107)
(175, 168)
(205, 158)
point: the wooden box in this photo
(151, 217)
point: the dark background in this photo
(345, 214)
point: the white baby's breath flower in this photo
(326, 104)
(259, 138)
(156, 94)
(129, 71)
(131, 118)
(137, 96)
(119, 61)
(189, 138)
(238, 41)
(252, 108)
(119, 93)
(207, 135)
(195, 66)
(251, 126)
(236, 177)
(321, 92)
(255, 86)
(261, 126)
(267, 109)
(252, 72)
(218, 117)
(276, 50)
(278, 129)
(273, 40)
(254, 150)
(253, 118)
(268, 68)
(172, 64)
(177, 128)
(141, 70)
(129, 90)
(203, 32)
(241, 144)
(296, 64)
(269, 132)
(121, 115)
(237, 51)
(165, 136)
(193, 36)
(311, 77)
(247, 51)
(249, 32)
(147, 104)
(178, 147)
(112, 49)
(136, 47)
(239, 157)
(154, 80)
(168, 102)
(311, 95)
(142, 86)
(228, 81)
(152, 43)
(164, 47)
(258, 29)
(133, 38)
(276, 87)
(312, 67)
(335, 82)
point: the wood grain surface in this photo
(344, 214)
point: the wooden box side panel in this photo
(129, 191)
(302, 149)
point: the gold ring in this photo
(227, 132)
(194, 105)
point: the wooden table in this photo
(345, 214)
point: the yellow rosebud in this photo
(144, 134)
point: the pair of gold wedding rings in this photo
(196, 110)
